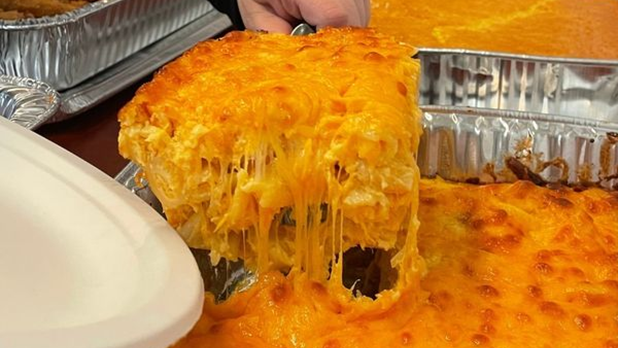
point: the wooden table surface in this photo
(93, 135)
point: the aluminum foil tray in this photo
(67, 49)
(491, 117)
(90, 93)
(559, 86)
(26, 101)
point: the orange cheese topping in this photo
(285, 151)
(569, 28)
(509, 265)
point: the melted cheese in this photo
(569, 28)
(509, 265)
(285, 151)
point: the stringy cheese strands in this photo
(508, 265)
(285, 151)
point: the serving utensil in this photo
(303, 29)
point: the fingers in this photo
(362, 7)
(366, 5)
(279, 15)
(336, 13)
(321, 13)
(257, 16)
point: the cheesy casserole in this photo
(508, 265)
(285, 151)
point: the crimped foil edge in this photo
(27, 102)
(555, 86)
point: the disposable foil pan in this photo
(26, 101)
(67, 49)
(95, 90)
(491, 117)
(90, 93)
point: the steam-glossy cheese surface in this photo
(509, 265)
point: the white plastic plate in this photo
(83, 262)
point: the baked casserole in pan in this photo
(286, 152)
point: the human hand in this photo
(280, 15)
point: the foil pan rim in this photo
(519, 115)
(70, 48)
(514, 56)
(56, 20)
(47, 99)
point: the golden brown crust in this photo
(17, 9)
(509, 265)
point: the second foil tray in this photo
(67, 49)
